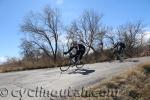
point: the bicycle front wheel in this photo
(64, 68)
(66, 64)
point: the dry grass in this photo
(20, 65)
(14, 64)
(133, 84)
(44, 62)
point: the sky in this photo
(116, 12)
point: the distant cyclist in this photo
(119, 49)
(79, 49)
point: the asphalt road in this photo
(47, 84)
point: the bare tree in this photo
(111, 37)
(131, 34)
(86, 29)
(29, 51)
(102, 34)
(26, 49)
(44, 30)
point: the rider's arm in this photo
(69, 49)
(115, 45)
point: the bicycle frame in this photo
(72, 63)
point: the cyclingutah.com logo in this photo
(40, 92)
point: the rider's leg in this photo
(120, 54)
(121, 51)
(81, 54)
(76, 55)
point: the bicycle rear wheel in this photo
(120, 58)
(80, 65)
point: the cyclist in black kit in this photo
(80, 50)
(119, 49)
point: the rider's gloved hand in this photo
(65, 53)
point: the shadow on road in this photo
(82, 71)
(124, 61)
(132, 60)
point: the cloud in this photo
(2, 59)
(147, 35)
(59, 2)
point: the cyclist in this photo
(79, 49)
(119, 49)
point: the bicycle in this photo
(118, 55)
(70, 62)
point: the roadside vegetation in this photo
(133, 84)
(46, 37)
